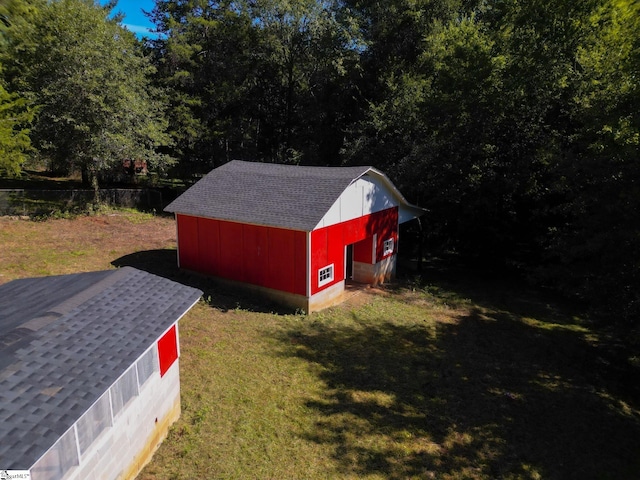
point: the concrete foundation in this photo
(326, 298)
(375, 274)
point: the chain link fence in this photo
(21, 202)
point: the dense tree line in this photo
(88, 82)
(517, 124)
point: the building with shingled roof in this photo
(89, 375)
(294, 233)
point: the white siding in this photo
(365, 196)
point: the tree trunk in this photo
(90, 179)
(86, 178)
(421, 236)
(96, 188)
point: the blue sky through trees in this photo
(135, 20)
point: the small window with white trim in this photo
(388, 247)
(325, 275)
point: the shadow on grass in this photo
(484, 396)
(503, 292)
(162, 262)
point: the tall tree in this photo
(254, 79)
(205, 58)
(15, 144)
(307, 53)
(436, 130)
(91, 82)
(593, 247)
(16, 112)
(516, 124)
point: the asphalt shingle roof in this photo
(64, 340)
(286, 196)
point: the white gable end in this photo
(364, 196)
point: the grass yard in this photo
(454, 375)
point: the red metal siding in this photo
(255, 261)
(319, 255)
(281, 259)
(336, 250)
(277, 258)
(354, 231)
(387, 228)
(319, 249)
(363, 250)
(188, 251)
(269, 257)
(327, 244)
(231, 252)
(208, 245)
(168, 350)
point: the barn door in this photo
(348, 263)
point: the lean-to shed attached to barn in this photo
(89, 379)
(294, 233)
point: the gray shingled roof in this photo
(64, 340)
(286, 196)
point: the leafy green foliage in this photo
(14, 134)
(517, 124)
(593, 250)
(91, 82)
(260, 80)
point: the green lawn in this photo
(405, 385)
(455, 375)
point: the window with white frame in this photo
(325, 275)
(388, 247)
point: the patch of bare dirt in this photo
(85, 243)
(356, 295)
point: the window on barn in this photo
(125, 388)
(93, 422)
(60, 458)
(388, 247)
(147, 365)
(325, 275)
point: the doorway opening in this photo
(348, 263)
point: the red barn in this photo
(294, 233)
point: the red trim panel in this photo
(168, 350)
